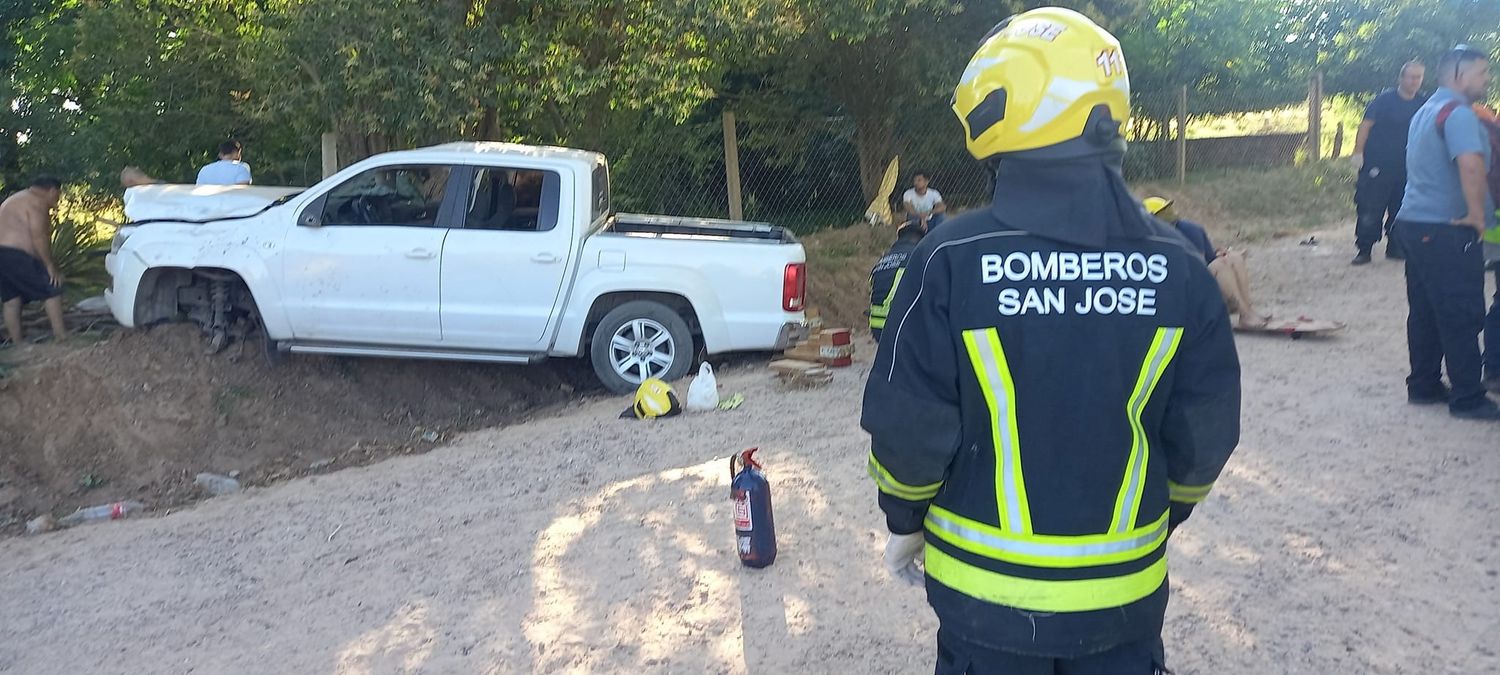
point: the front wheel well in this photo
(178, 293)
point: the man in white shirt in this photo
(229, 170)
(923, 204)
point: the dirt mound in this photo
(140, 413)
(838, 272)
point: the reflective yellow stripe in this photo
(1042, 550)
(878, 313)
(1158, 357)
(1035, 595)
(1189, 494)
(993, 372)
(895, 488)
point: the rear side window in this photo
(390, 195)
(514, 200)
(601, 191)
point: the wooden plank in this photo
(794, 366)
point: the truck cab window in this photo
(392, 195)
(518, 200)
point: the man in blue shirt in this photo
(229, 170)
(1446, 208)
(1380, 159)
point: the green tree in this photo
(877, 63)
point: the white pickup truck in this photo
(467, 251)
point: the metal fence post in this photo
(1182, 120)
(330, 154)
(732, 167)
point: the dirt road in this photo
(1351, 534)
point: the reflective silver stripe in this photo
(1005, 454)
(1042, 549)
(1157, 363)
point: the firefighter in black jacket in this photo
(1059, 384)
(886, 274)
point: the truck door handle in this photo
(545, 258)
(421, 254)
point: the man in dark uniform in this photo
(886, 274)
(1380, 159)
(1058, 384)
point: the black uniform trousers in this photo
(1492, 331)
(1377, 200)
(1445, 293)
(957, 657)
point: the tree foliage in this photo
(92, 85)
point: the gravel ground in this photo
(1351, 534)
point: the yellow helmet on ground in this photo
(1037, 79)
(655, 398)
(1161, 207)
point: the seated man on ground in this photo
(1227, 266)
(27, 272)
(923, 205)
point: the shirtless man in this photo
(27, 273)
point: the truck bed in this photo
(636, 224)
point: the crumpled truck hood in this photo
(192, 203)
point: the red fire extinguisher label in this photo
(742, 510)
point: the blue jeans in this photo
(1445, 293)
(933, 221)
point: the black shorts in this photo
(23, 276)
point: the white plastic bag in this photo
(703, 394)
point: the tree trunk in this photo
(489, 125)
(875, 142)
(355, 146)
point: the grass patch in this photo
(228, 399)
(1248, 205)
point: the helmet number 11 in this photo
(1111, 63)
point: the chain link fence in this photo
(805, 172)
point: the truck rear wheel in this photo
(639, 340)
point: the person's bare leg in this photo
(55, 316)
(1234, 282)
(1227, 285)
(13, 321)
(1242, 280)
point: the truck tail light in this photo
(794, 287)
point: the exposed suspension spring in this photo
(218, 297)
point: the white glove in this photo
(1358, 161)
(903, 556)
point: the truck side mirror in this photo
(312, 216)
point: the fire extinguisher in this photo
(754, 526)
